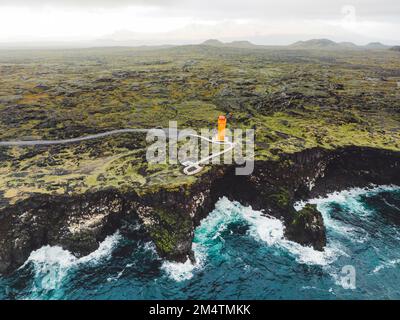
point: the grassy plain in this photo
(294, 99)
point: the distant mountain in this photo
(376, 45)
(395, 48)
(233, 44)
(347, 45)
(315, 44)
(241, 44)
(213, 43)
(323, 44)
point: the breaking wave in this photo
(51, 264)
(261, 227)
(240, 253)
(208, 239)
(184, 271)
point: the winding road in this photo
(23, 143)
(191, 168)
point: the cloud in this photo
(234, 8)
(90, 3)
(86, 3)
(196, 19)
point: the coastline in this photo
(169, 217)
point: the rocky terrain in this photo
(323, 121)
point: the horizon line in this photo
(109, 43)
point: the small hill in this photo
(395, 48)
(314, 43)
(323, 44)
(213, 43)
(233, 44)
(376, 45)
(241, 44)
(347, 45)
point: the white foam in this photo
(119, 274)
(267, 228)
(150, 247)
(346, 196)
(52, 263)
(184, 271)
(270, 230)
(103, 251)
(391, 205)
(210, 229)
(350, 199)
(388, 264)
(308, 255)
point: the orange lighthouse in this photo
(221, 128)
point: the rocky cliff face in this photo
(79, 223)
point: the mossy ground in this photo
(170, 230)
(293, 99)
(305, 214)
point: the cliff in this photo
(323, 120)
(79, 223)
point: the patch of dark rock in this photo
(307, 228)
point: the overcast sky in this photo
(185, 21)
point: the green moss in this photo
(165, 240)
(281, 198)
(292, 106)
(305, 214)
(169, 229)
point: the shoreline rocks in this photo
(79, 223)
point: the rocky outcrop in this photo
(80, 223)
(275, 186)
(76, 223)
(169, 217)
(307, 228)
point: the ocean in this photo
(241, 254)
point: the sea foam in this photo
(185, 271)
(351, 199)
(208, 239)
(270, 230)
(51, 264)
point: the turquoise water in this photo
(241, 254)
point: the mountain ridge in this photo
(318, 44)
